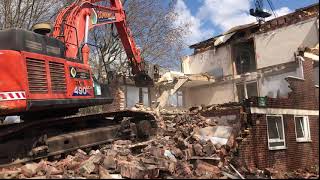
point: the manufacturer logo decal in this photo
(73, 72)
(78, 73)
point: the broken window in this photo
(247, 90)
(276, 136)
(245, 60)
(302, 128)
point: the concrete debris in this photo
(187, 146)
(30, 170)
(9, 174)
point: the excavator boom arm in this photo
(73, 23)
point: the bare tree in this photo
(151, 22)
(154, 30)
(26, 13)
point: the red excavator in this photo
(45, 78)
(47, 71)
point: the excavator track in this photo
(28, 141)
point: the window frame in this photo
(274, 140)
(145, 94)
(176, 96)
(245, 89)
(307, 121)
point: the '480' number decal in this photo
(81, 91)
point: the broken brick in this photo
(135, 171)
(103, 173)
(203, 168)
(89, 166)
(223, 152)
(209, 148)
(184, 169)
(198, 150)
(109, 162)
(9, 174)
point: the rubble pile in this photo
(181, 149)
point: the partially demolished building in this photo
(273, 70)
(252, 60)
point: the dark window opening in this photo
(252, 90)
(245, 57)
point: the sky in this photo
(209, 18)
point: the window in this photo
(180, 98)
(245, 57)
(302, 128)
(132, 96)
(247, 90)
(176, 100)
(252, 89)
(316, 75)
(276, 136)
(241, 92)
(145, 97)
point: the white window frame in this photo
(307, 128)
(146, 94)
(245, 90)
(180, 94)
(276, 140)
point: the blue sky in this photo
(212, 17)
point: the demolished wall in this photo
(209, 95)
(275, 43)
(215, 62)
(275, 86)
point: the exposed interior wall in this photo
(216, 62)
(275, 86)
(220, 94)
(279, 46)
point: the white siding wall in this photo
(279, 46)
(209, 61)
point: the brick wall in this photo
(119, 98)
(255, 153)
(254, 150)
(223, 113)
